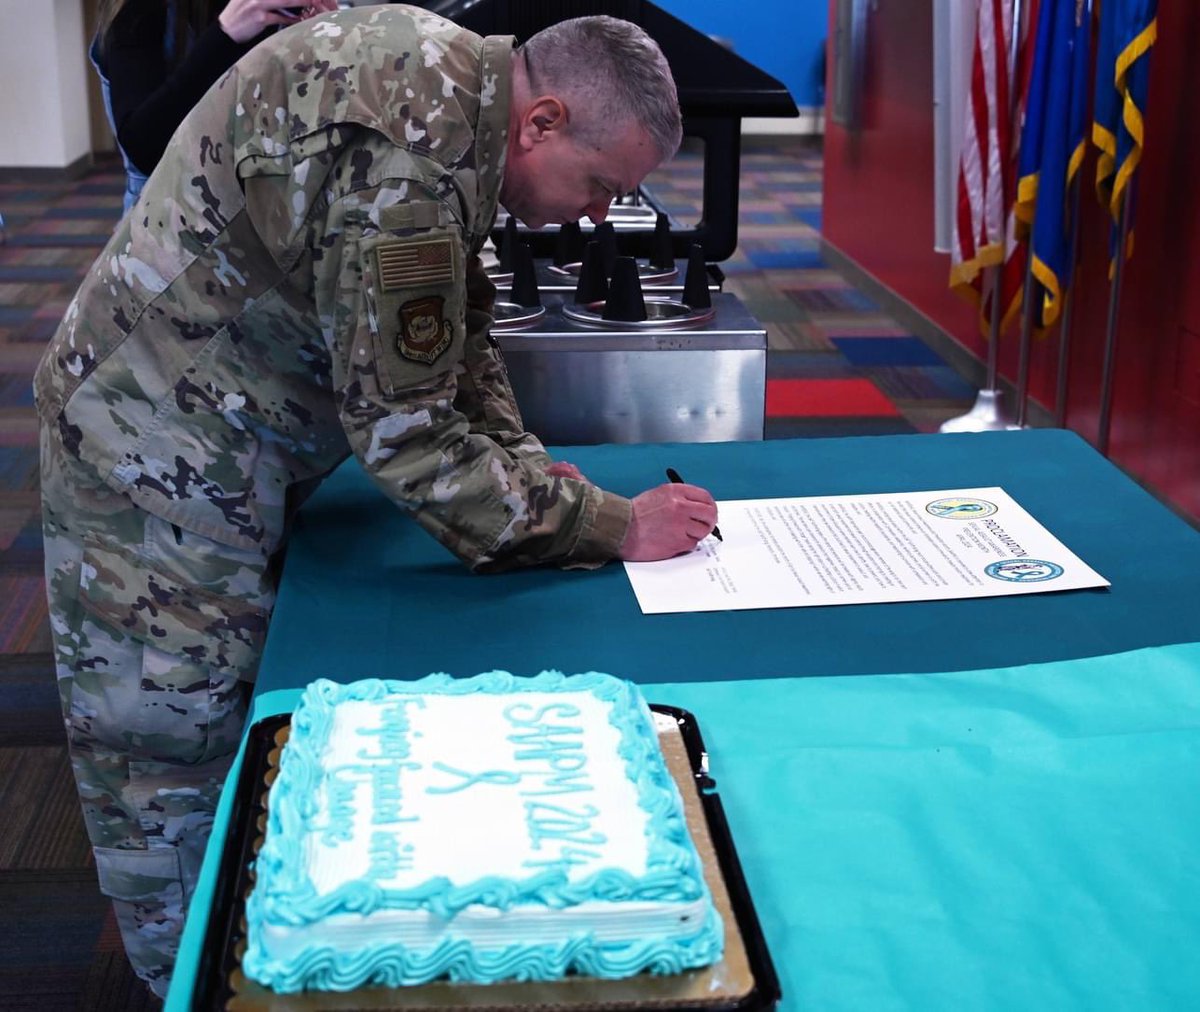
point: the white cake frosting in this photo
(479, 829)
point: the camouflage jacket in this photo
(299, 280)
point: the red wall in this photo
(878, 211)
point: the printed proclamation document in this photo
(863, 549)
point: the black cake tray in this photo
(225, 937)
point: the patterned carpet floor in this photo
(837, 365)
(67, 952)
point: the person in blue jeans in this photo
(155, 58)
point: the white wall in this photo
(43, 84)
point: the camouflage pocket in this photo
(160, 663)
(138, 876)
(149, 902)
(220, 632)
(417, 292)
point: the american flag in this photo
(411, 264)
(984, 223)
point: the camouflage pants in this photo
(157, 634)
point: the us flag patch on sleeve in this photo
(420, 263)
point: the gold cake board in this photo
(731, 984)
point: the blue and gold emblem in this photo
(960, 508)
(1024, 570)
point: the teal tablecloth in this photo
(365, 591)
(1018, 838)
(1014, 834)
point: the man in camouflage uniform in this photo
(300, 280)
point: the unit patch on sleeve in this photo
(414, 296)
(424, 332)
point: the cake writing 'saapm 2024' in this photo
(480, 829)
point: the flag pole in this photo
(1110, 336)
(1027, 302)
(987, 413)
(1064, 331)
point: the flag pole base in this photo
(986, 416)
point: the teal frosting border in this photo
(284, 895)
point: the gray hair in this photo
(612, 72)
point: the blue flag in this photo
(1053, 139)
(1127, 31)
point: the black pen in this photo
(673, 475)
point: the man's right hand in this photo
(668, 520)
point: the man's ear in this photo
(544, 117)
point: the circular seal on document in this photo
(961, 508)
(1024, 570)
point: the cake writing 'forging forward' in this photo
(481, 829)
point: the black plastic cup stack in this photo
(524, 283)
(695, 284)
(568, 244)
(625, 302)
(606, 235)
(508, 244)
(662, 253)
(593, 282)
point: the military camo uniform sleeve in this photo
(485, 395)
(394, 305)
